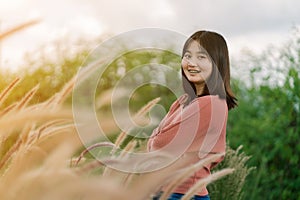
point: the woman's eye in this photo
(187, 56)
(201, 57)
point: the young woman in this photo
(196, 121)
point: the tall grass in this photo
(38, 142)
(231, 187)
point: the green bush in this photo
(231, 186)
(267, 122)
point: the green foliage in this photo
(143, 59)
(50, 73)
(267, 123)
(145, 63)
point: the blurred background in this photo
(264, 44)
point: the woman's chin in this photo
(195, 80)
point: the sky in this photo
(252, 25)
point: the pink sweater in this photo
(199, 127)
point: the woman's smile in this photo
(194, 71)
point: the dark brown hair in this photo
(219, 81)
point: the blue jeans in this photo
(176, 196)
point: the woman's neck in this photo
(200, 89)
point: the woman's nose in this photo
(191, 63)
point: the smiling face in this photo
(196, 65)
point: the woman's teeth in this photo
(194, 71)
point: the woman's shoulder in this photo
(202, 101)
(182, 99)
(209, 100)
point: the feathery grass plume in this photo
(8, 90)
(24, 120)
(87, 150)
(64, 93)
(186, 173)
(58, 99)
(20, 118)
(48, 125)
(120, 139)
(205, 181)
(143, 111)
(8, 109)
(128, 148)
(25, 132)
(48, 103)
(27, 97)
(230, 187)
(5, 158)
(35, 164)
(21, 140)
(123, 135)
(124, 155)
(37, 182)
(18, 28)
(55, 130)
(28, 157)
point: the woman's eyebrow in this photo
(201, 52)
(197, 52)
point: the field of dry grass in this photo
(38, 145)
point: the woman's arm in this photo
(198, 128)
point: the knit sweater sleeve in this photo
(196, 128)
